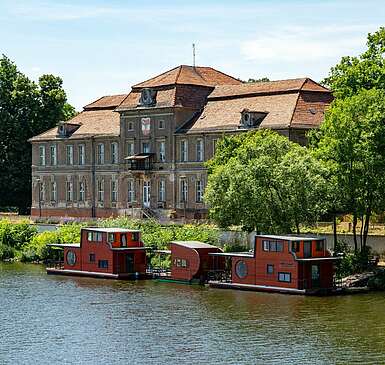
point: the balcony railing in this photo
(140, 162)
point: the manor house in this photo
(143, 153)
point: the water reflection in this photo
(48, 319)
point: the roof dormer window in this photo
(66, 129)
(251, 119)
(147, 97)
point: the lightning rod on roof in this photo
(193, 49)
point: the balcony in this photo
(140, 162)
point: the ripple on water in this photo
(51, 319)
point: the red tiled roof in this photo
(189, 75)
(106, 102)
(271, 87)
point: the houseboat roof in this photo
(233, 254)
(75, 245)
(291, 238)
(111, 229)
(193, 244)
(130, 248)
(319, 258)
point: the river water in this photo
(52, 319)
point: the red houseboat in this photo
(104, 252)
(301, 265)
(190, 261)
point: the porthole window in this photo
(241, 269)
(71, 258)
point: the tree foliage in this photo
(262, 181)
(367, 71)
(352, 140)
(26, 109)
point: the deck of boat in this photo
(125, 276)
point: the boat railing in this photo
(219, 275)
(157, 271)
(55, 264)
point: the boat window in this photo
(272, 246)
(181, 263)
(295, 246)
(103, 264)
(111, 237)
(135, 236)
(123, 240)
(284, 276)
(320, 245)
(270, 269)
(241, 269)
(71, 258)
(89, 236)
(92, 257)
(98, 237)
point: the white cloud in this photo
(293, 44)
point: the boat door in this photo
(146, 194)
(307, 249)
(315, 276)
(129, 262)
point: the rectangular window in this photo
(284, 276)
(82, 191)
(161, 124)
(42, 155)
(162, 191)
(270, 269)
(199, 191)
(92, 257)
(320, 245)
(53, 155)
(53, 191)
(89, 236)
(135, 236)
(70, 154)
(130, 125)
(114, 191)
(181, 263)
(272, 246)
(101, 190)
(41, 191)
(114, 153)
(123, 240)
(183, 190)
(162, 151)
(103, 264)
(214, 146)
(98, 236)
(183, 150)
(111, 237)
(130, 149)
(70, 191)
(146, 147)
(82, 154)
(199, 150)
(100, 157)
(295, 246)
(130, 191)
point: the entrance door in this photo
(146, 194)
(129, 262)
(307, 249)
(315, 276)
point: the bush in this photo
(6, 252)
(234, 248)
(377, 282)
(37, 249)
(16, 235)
(70, 233)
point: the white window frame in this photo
(147, 144)
(183, 190)
(162, 151)
(69, 154)
(200, 150)
(41, 191)
(114, 153)
(130, 125)
(100, 190)
(162, 190)
(130, 191)
(183, 150)
(82, 154)
(130, 148)
(53, 154)
(69, 191)
(82, 191)
(53, 191)
(199, 191)
(42, 155)
(161, 124)
(100, 154)
(114, 191)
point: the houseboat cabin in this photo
(190, 260)
(282, 263)
(104, 252)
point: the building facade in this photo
(143, 153)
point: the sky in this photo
(104, 47)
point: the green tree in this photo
(352, 140)
(26, 109)
(262, 79)
(262, 181)
(367, 71)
